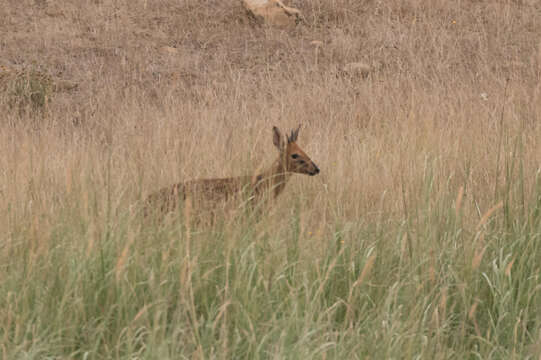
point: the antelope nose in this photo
(316, 170)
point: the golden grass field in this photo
(418, 239)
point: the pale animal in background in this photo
(215, 194)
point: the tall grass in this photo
(427, 285)
(419, 239)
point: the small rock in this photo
(52, 8)
(64, 85)
(54, 12)
(273, 12)
(168, 50)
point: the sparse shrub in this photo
(26, 89)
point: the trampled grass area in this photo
(418, 239)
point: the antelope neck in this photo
(274, 178)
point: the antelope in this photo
(259, 188)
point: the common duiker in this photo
(215, 194)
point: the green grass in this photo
(422, 286)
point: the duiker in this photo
(215, 194)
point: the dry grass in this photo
(174, 90)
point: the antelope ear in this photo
(294, 135)
(277, 138)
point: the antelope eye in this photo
(294, 156)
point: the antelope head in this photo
(293, 159)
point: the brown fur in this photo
(213, 194)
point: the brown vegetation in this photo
(447, 86)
